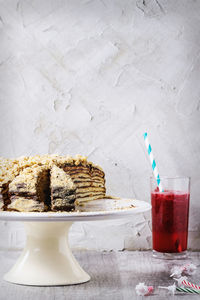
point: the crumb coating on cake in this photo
(78, 178)
(10, 168)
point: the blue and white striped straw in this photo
(153, 163)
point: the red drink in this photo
(170, 210)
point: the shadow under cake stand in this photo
(47, 259)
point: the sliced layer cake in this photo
(63, 190)
(29, 191)
(25, 182)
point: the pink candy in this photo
(143, 290)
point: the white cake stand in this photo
(47, 259)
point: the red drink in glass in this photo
(170, 211)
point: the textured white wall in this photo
(89, 77)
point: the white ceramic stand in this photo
(47, 259)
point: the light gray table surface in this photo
(114, 275)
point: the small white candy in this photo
(143, 290)
(177, 271)
(189, 269)
(170, 288)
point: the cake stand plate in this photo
(47, 259)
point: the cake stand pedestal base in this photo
(47, 259)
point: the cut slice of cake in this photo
(63, 190)
(8, 171)
(29, 191)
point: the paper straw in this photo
(153, 163)
(188, 290)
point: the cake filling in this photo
(29, 191)
(63, 190)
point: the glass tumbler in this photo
(170, 213)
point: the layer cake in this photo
(49, 182)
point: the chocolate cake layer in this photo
(80, 200)
(4, 196)
(63, 190)
(31, 186)
(89, 182)
(81, 190)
